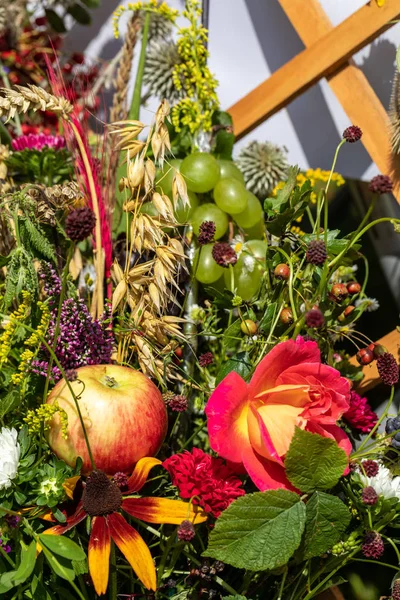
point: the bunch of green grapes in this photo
(217, 193)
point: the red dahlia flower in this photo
(360, 415)
(210, 479)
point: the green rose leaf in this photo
(327, 518)
(62, 546)
(314, 462)
(240, 363)
(258, 531)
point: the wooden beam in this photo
(391, 341)
(349, 85)
(319, 60)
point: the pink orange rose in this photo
(252, 424)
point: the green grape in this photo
(210, 212)
(201, 172)
(248, 271)
(229, 169)
(183, 213)
(252, 214)
(206, 269)
(165, 176)
(231, 196)
(217, 287)
(149, 209)
(255, 232)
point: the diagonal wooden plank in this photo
(349, 85)
(319, 60)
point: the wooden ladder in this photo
(328, 54)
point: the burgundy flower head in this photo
(196, 473)
(316, 252)
(224, 255)
(396, 590)
(352, 134)
(380, 184)
(360, 415)
(80, 223)
(206, 359)
(388, 368)
(186, 531)
(373, 546)
(206, 232)
(369, 496)
(371, 467)
(314, 318)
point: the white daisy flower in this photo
(370, 304)
(9, 456)
(383, 483)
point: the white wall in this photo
(250, 39)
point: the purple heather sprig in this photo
(82, 340)
(51, 281)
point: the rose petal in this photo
(282, 357)
(226, 412)
(266, 475)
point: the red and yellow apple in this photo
(124, 416)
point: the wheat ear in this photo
(21, 99)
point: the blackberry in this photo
(392, 425)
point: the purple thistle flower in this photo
(51, 281)
(38, 141)
(82, 340)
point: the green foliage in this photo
(21, 276)
(289, 204)
(14, 578)
(61, 545)
(259, 531)
(34, 239)
(47, 166)
(241, 364)
(327, 518)
(314, 462)
(224, 138)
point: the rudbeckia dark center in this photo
(101, 495)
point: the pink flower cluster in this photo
(38, 141)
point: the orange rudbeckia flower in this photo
(102, 500)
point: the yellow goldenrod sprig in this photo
(10, 328)
(43, 415)
(193, 76)
(162, 9)
(34, 341)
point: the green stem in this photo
(376, 562)
(8, 558)
(113, 589)
(312, 592)
(58, 321)
(360, 234)
(134, 110)
(194, 434)
(391, 542)
(285, 574)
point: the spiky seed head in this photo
(263, 167)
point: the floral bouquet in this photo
(180, 417)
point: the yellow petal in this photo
(141, 472)
(69, 486)
(134, 548)
(163, 510)
(99, 554)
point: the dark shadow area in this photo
(310, 113)
(382, 53)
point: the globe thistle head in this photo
(314, 318)
(352, 134)
(80, 223)
(388, 368)
(224, 255)
(263, 167)
(381, 184)
(159, 28)
(316, 252)
(186, 531)
(369, 496)
(373, 546)
(206, 232)
(161, 58)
